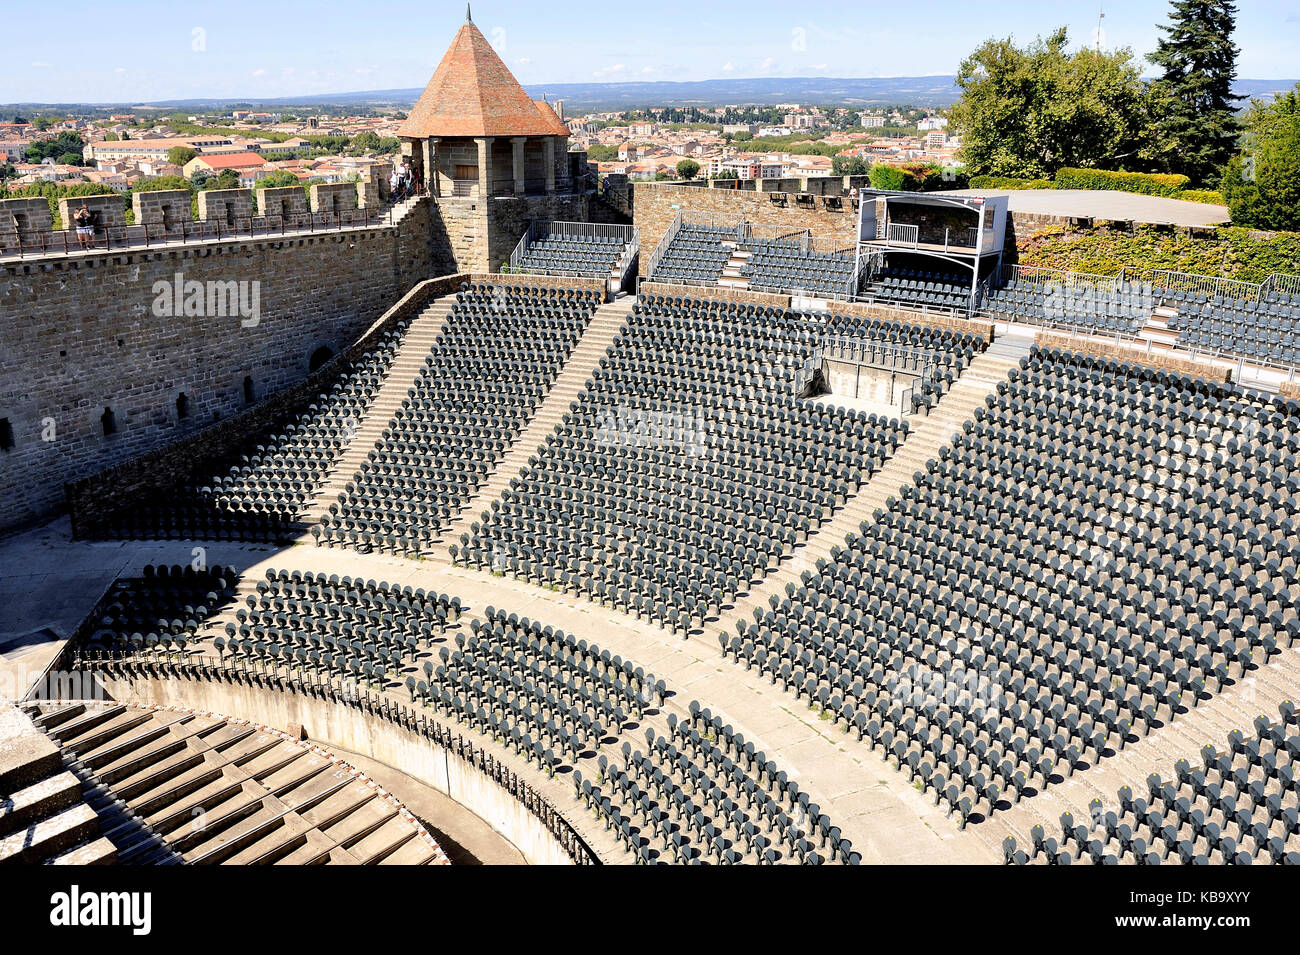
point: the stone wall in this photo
(283, 201)
(100, 332)
(655, 206)
(111, 209)
(24, 220)
(229, 206)
(1289, 389)
(1163, 362)
(478, 235)
(332, 198)
(163, 210)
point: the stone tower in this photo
(493, 158)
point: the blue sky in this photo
(136, 50)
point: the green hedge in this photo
(1210, 196)
(1229, 252)
(890, 178)
(1009, 182)
(1148, 184)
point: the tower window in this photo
(182, 407)
(6, 434)
(107, 422)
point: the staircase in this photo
(923, 442)
(1156, 333)
(416, 344)
(733, 273)
(599, 336)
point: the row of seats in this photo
(572, 255)
(1235, 806)
(360, 630)
(497, 355)
(162, 609)
(1261, 330)
(686, 467)
(1122, 310)
(1103, 547)
(258, 491)
(779, 264)
(696, 254)
(916, 288)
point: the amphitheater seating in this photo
(1260, 330)
(697, 254)
(915, 288)
(702, 793)
(259, 491)
(572, 255)
(330, 626)
(688, 464)
(1236, 806)
(1106, 545)
(497, 356)
(776, 264)
(162, 609)
(1121, 311)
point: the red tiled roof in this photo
(231, 160)
(473, 93)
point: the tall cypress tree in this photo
(1199, 61)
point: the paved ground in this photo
(1106, 204)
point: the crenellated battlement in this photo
(27, 225)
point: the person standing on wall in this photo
(85, 223)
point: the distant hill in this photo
(926, 91)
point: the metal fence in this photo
(64, 242)
(1161, 282)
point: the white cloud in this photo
(820, 66)
(647, 69)
(523, 61)
(729, 67)
(259, 72)
(609, 71)
(767, 64)
(42, 66)
(120, 69)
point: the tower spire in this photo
(468, 18)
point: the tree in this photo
(687, 168)
(276, 179)
(1028, 112)
(1199, 60)
(599, 153)
(366, 142)
(69, 159)
(180, 155)
(849, 166)
(1262, 184)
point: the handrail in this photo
(65, 241)
(664, 243)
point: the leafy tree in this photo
(366, 142)
(599, 153)
(743, 136)
(65, 143)
(1028, 112)
(180, 155)
(849, 166)
(110, 137)
(277, 179)
(161, 183)
(1262, 184)
(1198, 122)
(687, 168)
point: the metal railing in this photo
(664, 243)
(902, 234)
(1161, 281)
(109, 238)
(348, 692)
(887, 355)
